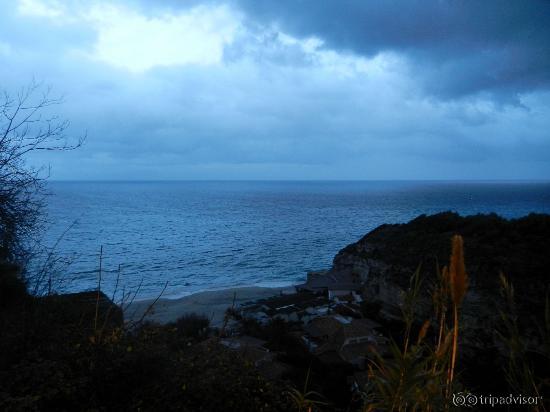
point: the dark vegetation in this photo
(518, 247)
(27, 124)
(52, 357)
(328, 379)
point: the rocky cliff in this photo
(520, 248)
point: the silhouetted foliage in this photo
(51, 358)
(13, 290)
(192, 326)
(27, 124)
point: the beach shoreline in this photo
(211, 304)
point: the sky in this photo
(289, 89)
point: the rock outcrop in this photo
(519, 248)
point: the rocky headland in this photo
(385, 258)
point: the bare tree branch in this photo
(26, 125)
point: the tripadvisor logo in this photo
(469, 400)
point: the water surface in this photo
(207, 235)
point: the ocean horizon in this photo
(212, 234)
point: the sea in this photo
(192, 236)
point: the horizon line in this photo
(497, 180)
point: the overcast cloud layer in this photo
(287, 89)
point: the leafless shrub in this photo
(26, 125)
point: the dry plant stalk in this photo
(459, 284)
(419, 375)
(441, 300)
(519, 371)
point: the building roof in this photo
(348, 309)
(337, 326)
(357, 328)
(333, 280)
(323, 326)
(286, 303)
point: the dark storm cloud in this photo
(457, 47)
(242, 90)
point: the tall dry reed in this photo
(420, 375)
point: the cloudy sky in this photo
(290, 89)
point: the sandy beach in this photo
(210, 303)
